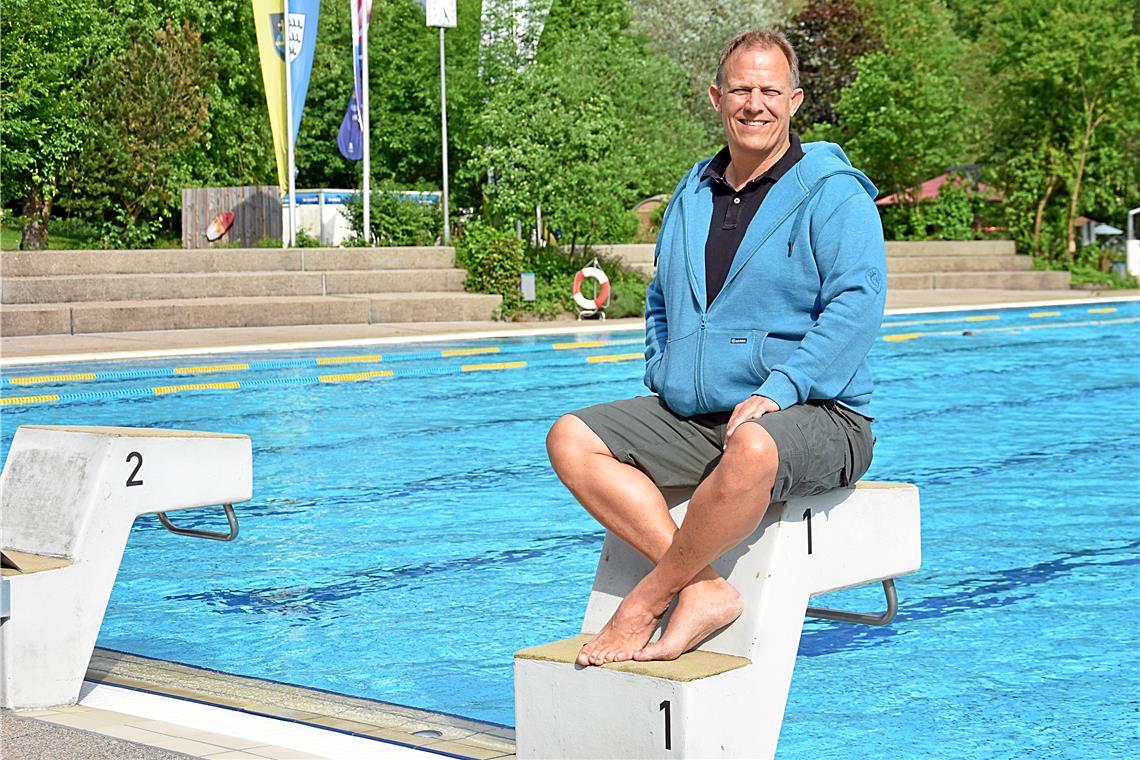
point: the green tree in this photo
(595, 124)
(237, 147)
(828, 36)
(907, 116)
(1067, 75)
(150, 108)
(45, 63)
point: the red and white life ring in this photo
(603, 293)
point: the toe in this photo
(658, 650)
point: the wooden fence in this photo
(257, 214)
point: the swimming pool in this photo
(406, 535)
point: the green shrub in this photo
(956, 214)
(494, 259)
(1091, 265)
(123, 232)
(557, 269)
(305, 240)
(394, 219)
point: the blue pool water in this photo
(406, 535)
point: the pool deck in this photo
(127, 345)
(131, 707)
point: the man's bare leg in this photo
(724, 510)
(626, 502)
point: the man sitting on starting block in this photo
(769, 292)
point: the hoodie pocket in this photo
(770, 351)
(728, 372)
(674, 375)
(652, 370)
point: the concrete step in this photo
(52, 319)
(980, 280)
(405, 257)
(198, 313)
(153, 287)
(950, 248)
(191, 313)
(60, 263)
(85, 262)
(958, 263)
(632, 253)
(395, 281)
(433, 307)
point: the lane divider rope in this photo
(901, 337)
(165, 390)
(429, 371)
(139, 374)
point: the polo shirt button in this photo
(736, 200)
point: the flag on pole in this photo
(274, 37)
(350, 136)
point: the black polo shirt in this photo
(733, 211)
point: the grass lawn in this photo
(10, 241)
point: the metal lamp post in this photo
(441, 13)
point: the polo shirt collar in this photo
(719, 164)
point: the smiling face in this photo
(756, 100)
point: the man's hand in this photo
(751, 408)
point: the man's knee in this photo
(751, 454)
(569, 440)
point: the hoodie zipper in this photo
(702, 403)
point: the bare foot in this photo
(702, 608)
(627, 632)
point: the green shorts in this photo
(821, 444)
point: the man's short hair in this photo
(763, 39)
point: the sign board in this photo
(440, 13)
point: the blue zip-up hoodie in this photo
(801, 305)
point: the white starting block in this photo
(725, 699)
(69, 498)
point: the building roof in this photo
(932, 187)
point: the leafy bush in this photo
(79, 232)
(554, 271)
(956, 214)
(1091, 265)
(123, 232)
(394, 219)
(494, 260)
(305, 240)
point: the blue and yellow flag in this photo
(274, 36)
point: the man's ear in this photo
(714, 97)
(797, 100)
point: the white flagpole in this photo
(291, 228)
(443, 123)
(364, 24)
